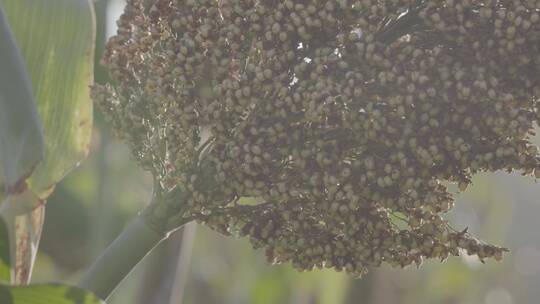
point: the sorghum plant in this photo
(343, 120)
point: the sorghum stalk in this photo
(128, 249)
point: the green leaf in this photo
(21, 138)
(5, 262)
(46, 294)
(56, 38)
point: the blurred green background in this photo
(198, 266)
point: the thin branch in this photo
(402, 26)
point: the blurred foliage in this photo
(46, 294)
(91, 206)
(5, 259)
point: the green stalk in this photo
(154, 224)
(131, 246)
(150, 227)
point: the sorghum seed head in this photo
(344, 116)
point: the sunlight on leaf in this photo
(21, 138)
(56, 38)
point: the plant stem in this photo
(129, 248)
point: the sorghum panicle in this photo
(342, 119)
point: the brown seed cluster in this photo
(340, 119)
